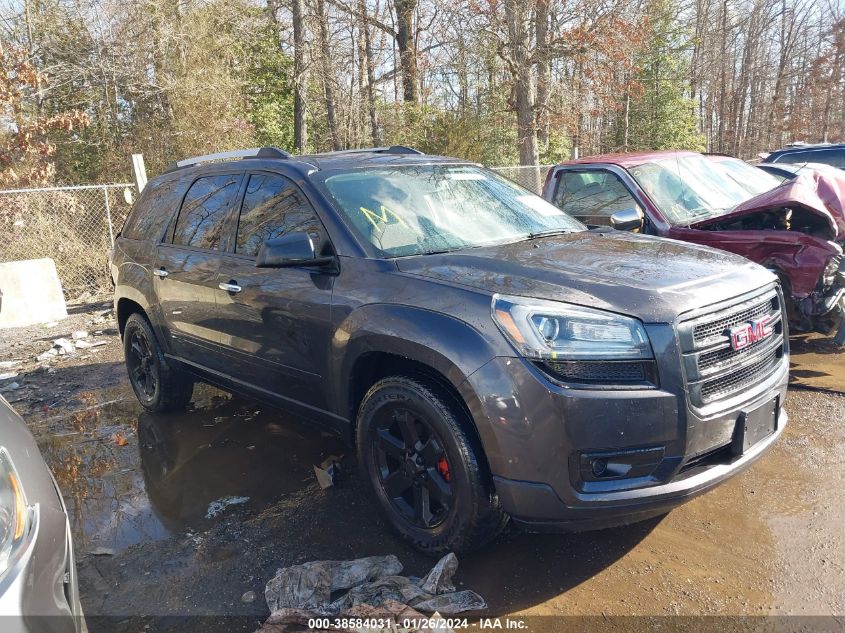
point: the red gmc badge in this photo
(755, 330)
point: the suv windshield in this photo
(419, 209)
(691, 188)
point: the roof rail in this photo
(397, 149)
(393, 149)
(255, 152)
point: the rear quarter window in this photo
(153, 209)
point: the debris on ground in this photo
(373, 583)
(79, 334)
(12, 386)
(216, 508)
(248, 597)
(8, 375)
(63, 346)
(83, 344)
(102, 551)
(328, 471)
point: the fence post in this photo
(108, 215)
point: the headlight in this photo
(13, 512)
(576, 344)
(831, 271)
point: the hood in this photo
(651, 278)
(822, 194)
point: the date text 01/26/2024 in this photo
(414, 624)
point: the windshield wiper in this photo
(547, 233)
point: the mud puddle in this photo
(129, 476)
(817, 363)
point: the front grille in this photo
(717, 328)
(708, 360)
(743, 377)
(714, 370)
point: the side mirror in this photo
(293, 249)
(627, 219)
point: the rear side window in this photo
(152, 210)
(835, 157)
(204, 211)
(272, 207)
(592, 196)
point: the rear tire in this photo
(158, 385)
(425, 469)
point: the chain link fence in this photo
(531, 177)
(75, 226)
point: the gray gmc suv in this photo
(489, 356)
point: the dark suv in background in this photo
(488, 355)
(827, 153)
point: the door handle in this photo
(230, 287)
(160, 272)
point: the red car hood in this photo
(820, 193)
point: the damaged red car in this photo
(795, 228)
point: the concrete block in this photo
(31, 293)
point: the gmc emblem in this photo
(745, 334)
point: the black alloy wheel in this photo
(426, 467)
(412, 466)
(141, 363)
(159, 385)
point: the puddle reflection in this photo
(130, 476)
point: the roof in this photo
(804, 147)
(628, 159)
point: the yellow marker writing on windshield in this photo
(383, 217)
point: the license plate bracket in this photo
(755, 425)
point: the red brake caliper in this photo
(443, 469)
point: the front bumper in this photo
(535, 434)
(39, 593)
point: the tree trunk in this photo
(524, 90)
(407, 44)
(367, 63)
(328, 74)
(544, 72)
(300, 71)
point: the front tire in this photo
(425, 468)
(158, 385)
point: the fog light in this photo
(622, 464)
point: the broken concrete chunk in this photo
(8, 364)
(63, 346)
(50, 353)
(12, 386)
(8, 375)
(79, 334)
